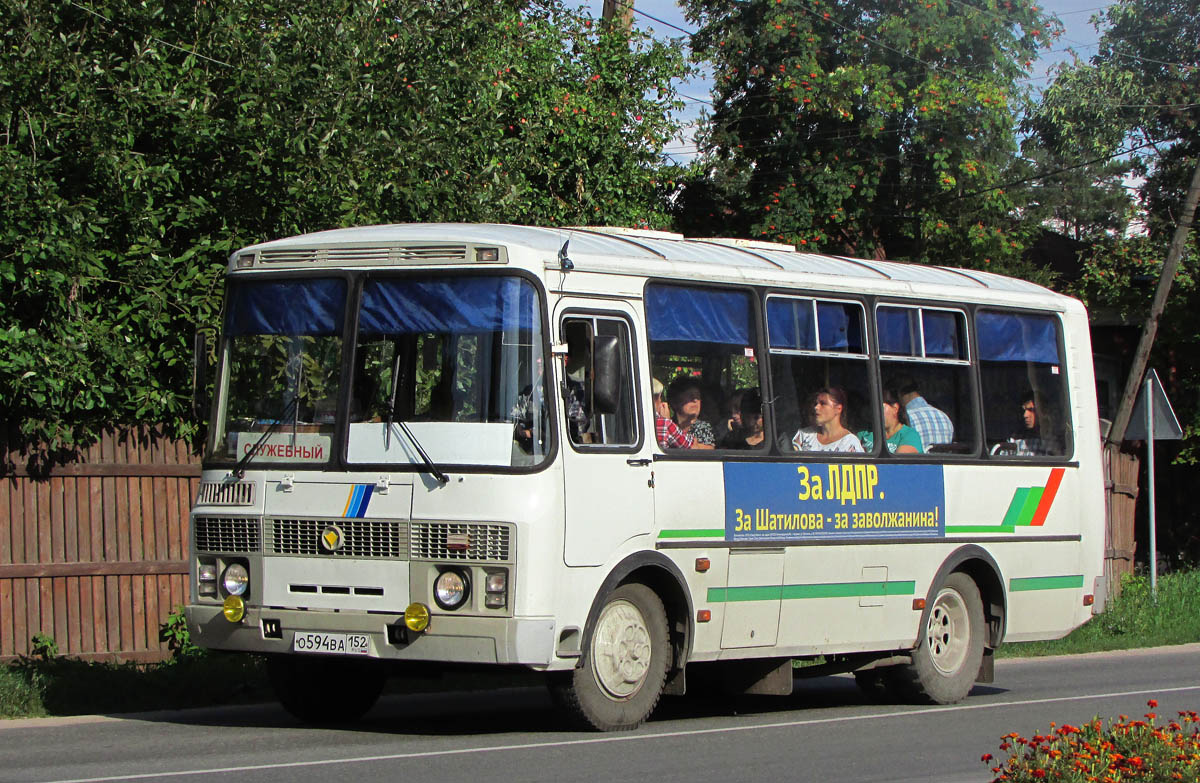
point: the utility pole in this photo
(619, 13)
(1141, 357)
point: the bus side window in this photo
(1024, 384)
(703, 347)
(925, 362)
(817, 344)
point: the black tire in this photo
(873, 684)
(624, 665)
(949, 652)
(325, 691)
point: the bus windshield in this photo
(448, 364)
(282, 370)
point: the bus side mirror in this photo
(200, 368)
(606, 381)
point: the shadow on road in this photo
(530, 709)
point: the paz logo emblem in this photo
(332, 538)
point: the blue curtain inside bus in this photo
(943, 335)
(840, 326)
(698, 315)
(312, 306)
(899, 331)
(1016, 337)
(447, 305)
(790, 324)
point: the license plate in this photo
(332, 643)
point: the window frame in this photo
(633, 381)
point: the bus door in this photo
(606, 456)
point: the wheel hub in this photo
(621, 649)
(948, 631)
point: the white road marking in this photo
(629, 737)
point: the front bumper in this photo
(449, 639)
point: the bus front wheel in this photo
(950, 650)
(624, 665)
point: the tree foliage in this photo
(1137, 101)
(870, 127)
(141, 142)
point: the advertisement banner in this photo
(774, 501)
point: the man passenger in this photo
(932, 424)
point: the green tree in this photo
(142, 142)
(1137, 101)
(1082, 200)
(867, 127)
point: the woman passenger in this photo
(684, 396)
(900, 438)
(829, 431)
(749, 434)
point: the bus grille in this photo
(226, 534)
(403, 254)
(374, 538)
(459, 541)
(220, 493)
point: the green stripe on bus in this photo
(1031, 503)
(1021, 584)
(951, 529)
(718, 595)
(1014, 508)
(718, 532)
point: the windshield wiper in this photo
(434, 470)
(239, 470)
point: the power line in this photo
(192, 52)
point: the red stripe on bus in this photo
(1043, 508)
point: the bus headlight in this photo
(206, 575)
(451, 589)
(236, 579)
(496, 589)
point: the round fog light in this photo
(416, 617)
(234, 609)
(451, 589)
(236, 579)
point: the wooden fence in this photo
(1121, 492)
(93, 553)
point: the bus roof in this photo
(618, 250)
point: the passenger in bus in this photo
(685, 398)
(731, 416)
(932, 424)
(576, 400)
(529, 404)
(749, 434)
(666, 431)
(1028, 441)
(829, 431)
(899, 436)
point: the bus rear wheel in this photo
(948, 656)
(623, 668)
(325, 691)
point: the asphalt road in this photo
(826, 731)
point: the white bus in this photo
(439, 445)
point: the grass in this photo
(1134, 619)
(48, 684)
(37, 687)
